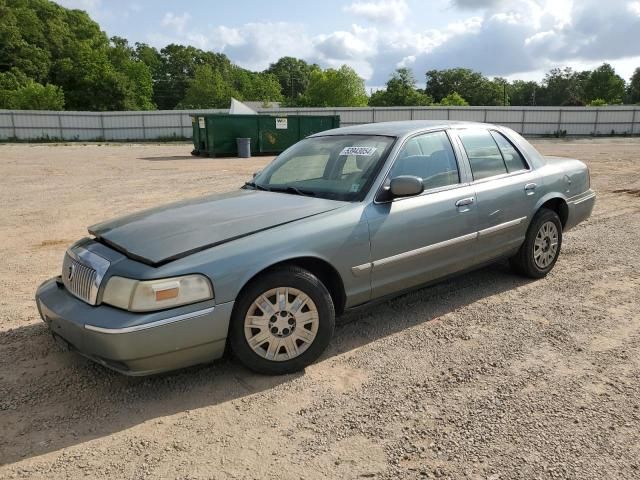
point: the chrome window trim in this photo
(146, 326)
(494, 177)
(499, 177)
(456, 155)
(92, 260)
(527, 163)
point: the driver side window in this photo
(430, 157)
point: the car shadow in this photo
(51, 399)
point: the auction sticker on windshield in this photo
(365, 151)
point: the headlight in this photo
(146, 296)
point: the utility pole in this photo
(533, 97)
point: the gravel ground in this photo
(486, 376)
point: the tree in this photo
(34, 96)
(401, 91)
(294, 76)
(633, 90)
(21, 93)
(454, 99)
(473, 86)
(335, 88)
(563, 86)
(208, 89)
(177, 69)
(522, 92)
(603, 83)
(52, 45)
(133, 74)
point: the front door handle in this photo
(530, 188)
(465, 201)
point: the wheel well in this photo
(325, 272)
(559, 206)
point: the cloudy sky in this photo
(515, 39)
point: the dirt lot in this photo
(487, 376)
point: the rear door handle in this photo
(530, 188)
(465, 201)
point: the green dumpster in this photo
(215, 134)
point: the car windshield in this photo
(338, 167)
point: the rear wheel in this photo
(541, 248)
(282, 321)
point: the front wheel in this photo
(541, 248)
(282, 321)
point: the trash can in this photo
(244, 147)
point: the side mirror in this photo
(406, 186)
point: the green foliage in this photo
(174, 68)
(208, 89)
(597, 102)
(262, 87)
(34, 96)
(563, 86)
(335, 88)
(454, 99)
(21, 93)
(523, 93)
(133, 76)
(401, 91)
(64, 50)
(603, 83)
(294, 76)
(473, 86)
(633, 90)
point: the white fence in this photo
(167, 124)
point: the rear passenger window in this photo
(430, 157)
(511, 156)
(484, 156)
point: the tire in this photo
(536, 260)
(284, 340)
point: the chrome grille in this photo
(79, 279)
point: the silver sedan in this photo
(341, 218)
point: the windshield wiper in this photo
(294, 190)
(256, 186)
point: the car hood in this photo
(173, 231)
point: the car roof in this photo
(401, 128)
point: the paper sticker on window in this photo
(364, 151)
(355, 187)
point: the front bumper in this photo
(580, 208)
(132, 343)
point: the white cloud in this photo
(383, 11)
(524, 37)
(357, 44)
(475, 4)
(255, 45)
(178, 22)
